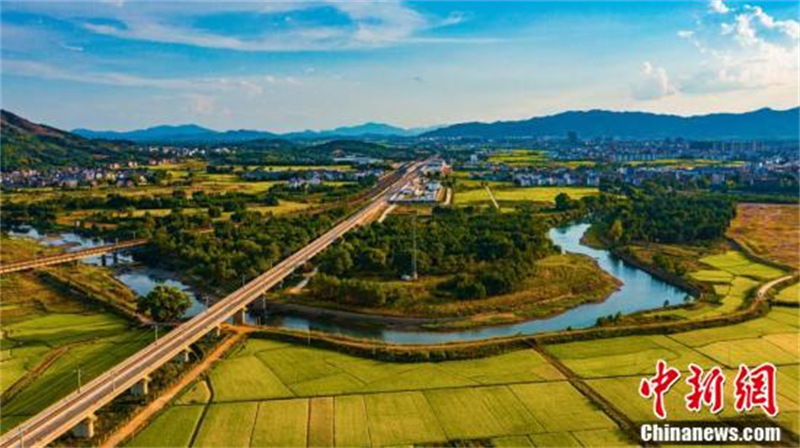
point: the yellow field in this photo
(282, 394)
(769, 230)
(508, 193)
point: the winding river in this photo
(639, 291)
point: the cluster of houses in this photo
(621, 151)
(558, 177)
(126, 174)
(750, 173)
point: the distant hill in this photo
(30, 145)
(187, 133)
(759, 124)
(191, 133)
(361, 130)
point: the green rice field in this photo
(511, 194)
(48, 333)
(790, 294)
(270, 393)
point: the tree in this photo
(563, 202)
(214, 212)
(164, 303)
(616, 231)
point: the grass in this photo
(351, 422)
(623, 356)
(789, 294)
(281, 423)
(49, 333)
(615, 367)
(19, 249)
(305, 396)
(518, 157)
(401, 418)
(246, 378)
(93, 358)
(560, 439)
(380, 404)
(559, 407)
(515, 442)
(173, 428)
(289, 370)
(198, 393)
(732, 276)
(510, 194)
(320, 422)
(603, 437)
(227, 425)
(736, 263)
(556, 283)
(513, 399)
(712, 276)
(769, 230)
(493, 411)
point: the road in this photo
(72, 409)
(69, 256)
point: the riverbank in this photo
(557, 284)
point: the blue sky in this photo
(286, 66)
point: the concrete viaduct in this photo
(76, 410)
(70, 256)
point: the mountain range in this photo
(31, 145)
(191, 133)
(28, 144)
(758, 124)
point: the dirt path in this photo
(491, 196)
(614, 413)
(145, 414)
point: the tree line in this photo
(484, 252)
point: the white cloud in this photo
(718, 7)
(653, 84)
(250, 86)
(370, 24)
(747, 49)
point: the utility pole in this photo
(78, 370)
(155, 327)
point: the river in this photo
(639, 291)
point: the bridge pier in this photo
(115, 254)
(239, 316)
(184, 355)
(215, 333)
(85, 429)
(103, 260)
(141, 388)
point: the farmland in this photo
(732, 276)
(49, 332)
(314, 396)
(768, 230)
(189, 177)
(507, 194)
(790, 294)
(615, 369)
